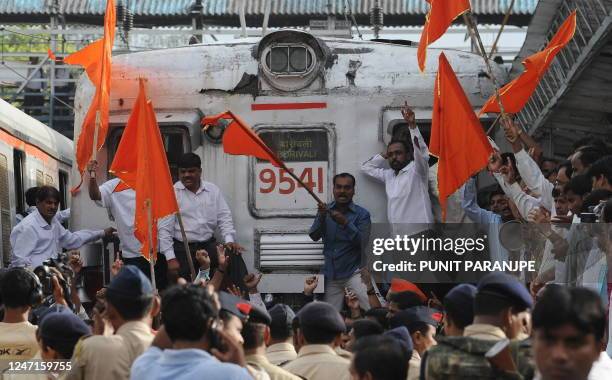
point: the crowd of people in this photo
(202, 315)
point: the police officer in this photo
(422, 324)
(320, 326)
(499, 302)
(130, 305)
(459, 309)
(280, 349)
(256, 334)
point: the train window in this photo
(5, 210)
(174, 138)
(48, 180)
(63, 185)
(18, 159)
(295, 59)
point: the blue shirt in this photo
(157, 364)
(342, 245)
(486, 219)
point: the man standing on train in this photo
(120, 201)
(345, 230)
(40, 235)
(204, 211)
(406, 181)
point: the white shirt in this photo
(534, 179)
(34, 240)
(408, 199)
(122, 207)
(203, 212)
(523, 201)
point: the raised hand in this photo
(202, 258)
(408, 115)
(310, 285)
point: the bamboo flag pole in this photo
(94, 151)
(501, 29)
(151, 253)
(186, 242)
(473, 29)
(290, 172)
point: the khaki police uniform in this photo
(281, 353)
(110, 357)
(484, 332)
(275, 372)
(414, 366)
(319, 362)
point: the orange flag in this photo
(516, 94)
(440, 17)
(239, 139)
(96, 60)
(141, 163)
(457, 137)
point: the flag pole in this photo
(473, 30)
(151, 253)
(186, 242)
(94, 151)
(290, 172)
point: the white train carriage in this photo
(31, 154)
(324, 104)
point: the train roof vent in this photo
(288, 251)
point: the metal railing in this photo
(593, 17)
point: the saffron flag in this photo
(457, 137)
(516, 94)
(96, 60)
(240, 139)
(141, 163)
(440, 17)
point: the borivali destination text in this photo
(417, 254)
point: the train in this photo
(325, 105)
(31, 154)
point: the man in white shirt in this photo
(120, 201)
(406, 181)
(204, 210)
(40, 236)
(30, 196)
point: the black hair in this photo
(281, 331)
(316, 335)
(130, 308)
(189, 160)
(403, 142)
(405, 300)
(590, 142)
(16, 288)
(366, 327)
(379, 314)
(186, 312)
(595, 197)
(550, 159)
(344, 175)
(381, 356)
(497, 190)
(491, 305)
(556, 192)
(579, 185)
(460, 315)
(569, 170)
(603, 166)
(47, 192)
(254, 335)
(30, 196)
(397, 321)
(579, 307)
(607, 212)
(64, 346)
(589, 154)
